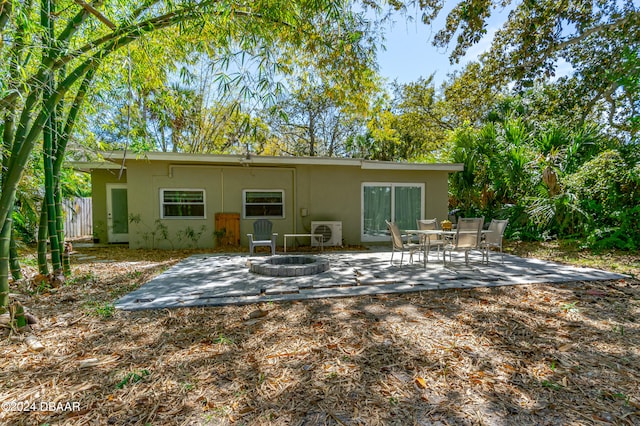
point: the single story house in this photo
(178, 200)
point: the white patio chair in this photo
(494, 238)
(398, 244)
(430, 240)
(467, 238)
(262, 236)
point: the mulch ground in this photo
(531, 354)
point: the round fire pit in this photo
(290, 266)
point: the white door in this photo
(117, 213)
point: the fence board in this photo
(77, 217)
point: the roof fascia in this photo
(383, 165)
(87, 166)
(117, 156)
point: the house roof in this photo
(114, 159)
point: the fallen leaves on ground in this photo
(531, 354)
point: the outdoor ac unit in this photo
(331, 233)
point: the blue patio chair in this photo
(262, 236)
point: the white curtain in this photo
(399, 203)
(408, 205)
(377, 209)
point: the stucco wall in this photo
(334, 193)
(326, 192)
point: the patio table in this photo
(446, 234)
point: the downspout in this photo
(294, 194)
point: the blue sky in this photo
(410, 54)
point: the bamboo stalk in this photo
(49, 136)
(5, 235)
(43, 266)
(14, 262)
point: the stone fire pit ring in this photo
(289, 266)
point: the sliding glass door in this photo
(402, 203)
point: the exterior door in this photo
(117, 213)
(402, 203)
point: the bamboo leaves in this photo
(43, 87)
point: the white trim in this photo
(244, 204)
(111, 236)
(257, 160)
(387, 165)
(392, 185)
(87, 166)
(162, 203)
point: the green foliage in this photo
(49, 66)
(600, 43)
(74, 184)
(624, 236)
(132, 377)
(191, 235)
(422, 123)
(551, 180)
(570, 307)
(312, 120)
(551, 385)
(87, 278)
(104, 310)
(151, 235)
(223, 340)
(610, 193)
(606, 181)
(382, 140)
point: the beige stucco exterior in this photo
(328, 189)
(100, 177)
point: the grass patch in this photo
(104, 310)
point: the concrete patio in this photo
(217, 280)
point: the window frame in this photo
(392, 185)
(163, 203)
(244, 204)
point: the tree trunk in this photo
(49, 198)
(16, 271)
(50, 138)
(43, 236)
(312, 135)
(5, 237)
(36, 109)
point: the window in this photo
(402, 203)
(182, 203)
(258, 203)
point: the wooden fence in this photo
(77, 217)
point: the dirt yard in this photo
(531, 354)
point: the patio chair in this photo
(430, 240)
(467, 238)
(494, 238)
(262, 236)
(397, 243)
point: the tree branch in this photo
(598, 28)
(605, 93)
(5, 12)
(133, 31)
(95, 12)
